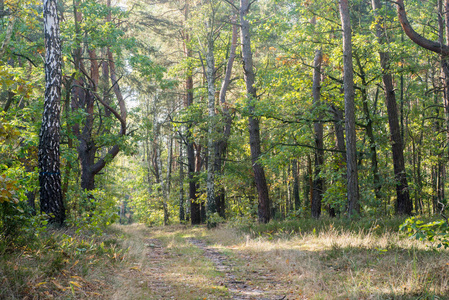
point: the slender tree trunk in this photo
(181, 183)
(253, 121)
(195, 212)
(211, 142)
(166, 189)
(49, 137)
(319, 145)
(296, 198)
(351, 138)
(403, 201)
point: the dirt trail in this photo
(176, 263)
(240, 290)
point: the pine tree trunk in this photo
(319, 145)
(195, 211)
(253, 121)
(49, 137)
(351, 138)
(403, 201)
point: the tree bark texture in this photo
(351, 138)
(211, 206)
(181, 183)
(253, 121)
(319, 144)
(49, 136)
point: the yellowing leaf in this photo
(75, 284)
(40, 283)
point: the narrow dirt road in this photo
(238, 289)
(173, 263)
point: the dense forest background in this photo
(201, 111)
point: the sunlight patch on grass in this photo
(341, 264)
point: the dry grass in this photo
(62, 265)
(342, 264)
(162, 264)
(136, 262)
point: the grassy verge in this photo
(60, 265)
(323, 260)
(304, 259)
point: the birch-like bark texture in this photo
(211, 206)
(348, 85)
(253, 122)
(319, 144)
(403, 201)
(48, 155)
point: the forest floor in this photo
(185, 262)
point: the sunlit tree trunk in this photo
(211, 205)
(49, 137)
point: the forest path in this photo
(179, 262)
(240, 290)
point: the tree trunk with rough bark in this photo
(319, 144)
(253, 121)
(403, 201)
(49, 136)
(351, 138)
(211, 205)
(181, 183)
(195, 211)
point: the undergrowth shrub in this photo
(91, 211)
(436, 232)
(61, 264)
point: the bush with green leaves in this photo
(91, 210)
(436, 232)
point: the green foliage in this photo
(436, 232)
(91, 211)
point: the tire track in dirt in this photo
(239, 289)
